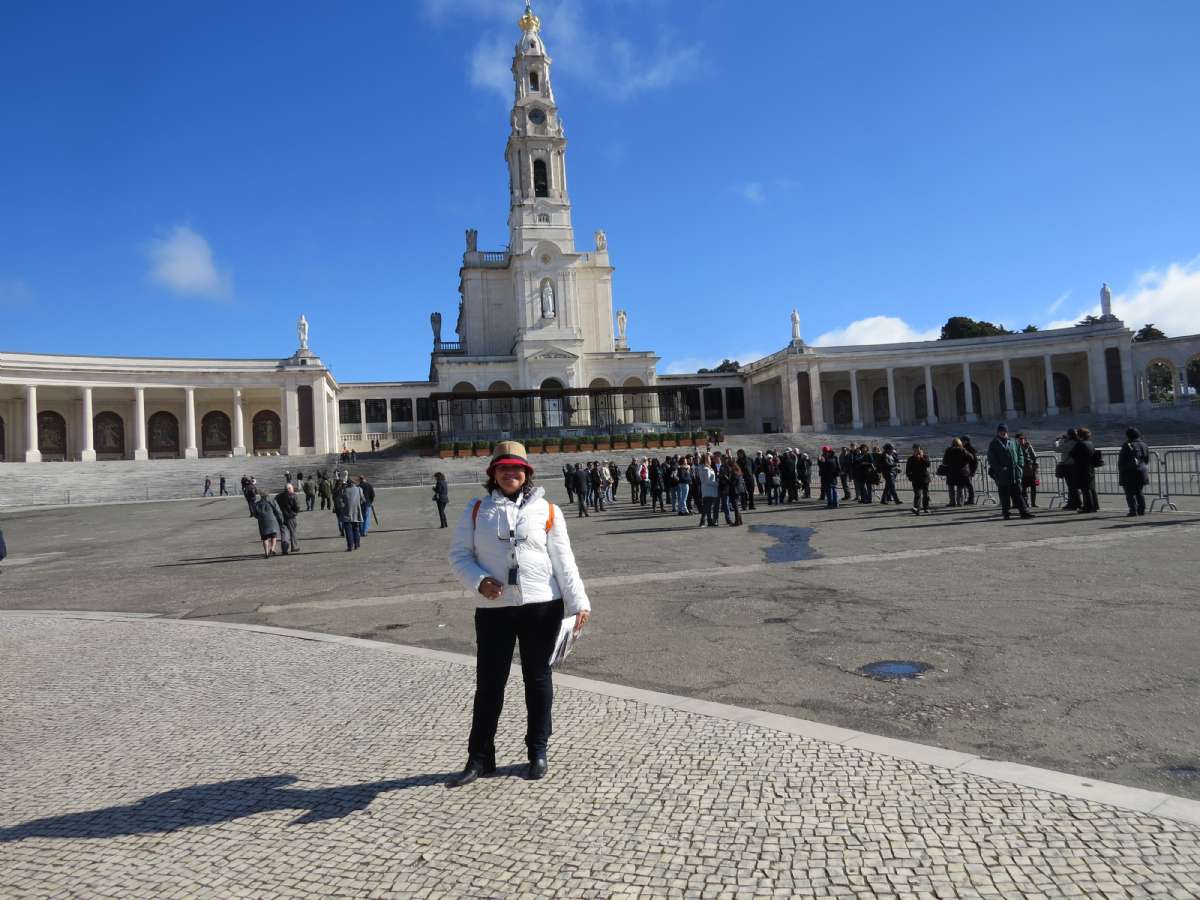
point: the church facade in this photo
(536, 349)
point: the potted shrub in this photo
(699, 438)
(553, 445)
(570, 444)
(604, 442)
(587, 442)
(462, 448)
(534, 445)
(445, 451)
(669, 439)
(653, 440)
(482, 448)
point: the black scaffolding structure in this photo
(566, 412)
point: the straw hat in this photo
(509, 453)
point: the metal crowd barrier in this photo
(1179, 476)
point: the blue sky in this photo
(187, 179)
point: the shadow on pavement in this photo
(210, 804)
(210, 560)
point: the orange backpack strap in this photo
(475, 512)
(550, 519)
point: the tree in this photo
(1029, 329)
(727, 365)
(1089, 320)
(1149, 333)
(957, 327)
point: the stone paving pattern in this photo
(161, 759)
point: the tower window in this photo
(544, 218)
(533, 81)
(541, 185)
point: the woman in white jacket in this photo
(511, 550)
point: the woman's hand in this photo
(581, 619)
(491, 588)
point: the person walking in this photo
(325, 487)
(207, 487)
(709, 492)
(890, 468)
(289, 507)
(569, 481)
(1086, 459)
(270, 519)
(582, 481)
(846, 470)
(350, 514)
(917, 471)
(1005, 464)
(957, 469)
(683, 484)
(441, 497)
(828, 470)
(511, 549)
(1029, 471)
(968, 484)
(614, 472)
(368, 492)
(250, 492)
(656, 486)
(310, 494)
(223, 492)
(1066, 467)
(1133, 471)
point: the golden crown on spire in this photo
(530, 22)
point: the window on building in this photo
(544, 218)
(533, 81)
(712, 403)
(377, 411)
(541, 184)
(691, 396)
(348, 412)
(1112, 366)
(401, 409)
(735, 403)
(425, 410)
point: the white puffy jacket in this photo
(546, 565)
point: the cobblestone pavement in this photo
(162, 759)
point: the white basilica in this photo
(536, 351)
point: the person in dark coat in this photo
(917, 470)
(582, 483)
(568, 471)
(957, 465)
(325, 487)
(250, 492)
(889, 467)
(829, 470)
(441, 496)
(1005, 466)
(1083, 461)
(350, 503)
(1133, 471)
(1029, 473)
(748, 474)
(1066, 468)
(222, 492)
(803, 473)
(968, 486)
(270, 519)
(845, 471)
(310, 494)
(289, 506)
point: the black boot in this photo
(537, 768)
(473, 771)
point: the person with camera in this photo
(510, 548)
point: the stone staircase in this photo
(37, 484)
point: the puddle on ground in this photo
(895, 669)
(791, 543)
(1183, 771)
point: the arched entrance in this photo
(162, 434)
(921, 405)
(108, 434)
(215, 433)
(602, 404)
(52, 434)
(462, 412)
(501, 415)
(552, 403)
(960, 399)
(843, 408)
(1062, 392)
(1160, 382)
(267, 431)
(1193, 375)
(879, 406)
(633, 405)
(1018, 396)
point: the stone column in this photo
(362, 415)
(816, 401)
(1051, 397)
(972, 414)
(32, 453)
(87, 432)
(791, 400)
(139, 424)
(725, 408)
(189, 414)
(1127, 378)
(239, 424)
(289, 404)
(387, 412)
(320, 418)
(1009, 399)
(893, 418)
(930, 407)
(856, 421)
(1097, 380)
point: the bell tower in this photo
(539, 207)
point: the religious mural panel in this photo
(163, 433)
(108, 434)
(52, 434)
(266, 431)
(215, 433)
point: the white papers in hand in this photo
(566, 641)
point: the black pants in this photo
(441, 505)
(1087, 491)
(708, 510)
(920, 496)
(1136, 499)
(889, 489)
(535, 626)
(1010, 496)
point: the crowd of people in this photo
(351, 499)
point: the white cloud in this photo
(760, 192)
(1170, 298)
(689, 364)
(182, 262)
(1059, 301)
(754, 192)
(607, 62)
(15, 292)
(876, 330)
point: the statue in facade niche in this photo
(302, 332)
(601, 240)
(1105, 301)
(472, 240)
(547, 299)
(795, 325)
(622, 321)
(435, 319)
